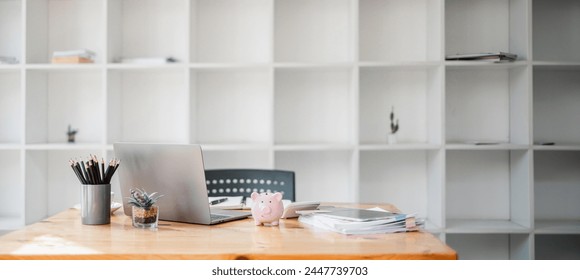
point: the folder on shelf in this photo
(494, 57)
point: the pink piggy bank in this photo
(267, 208)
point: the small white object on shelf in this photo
(8, 60)
(148, 60)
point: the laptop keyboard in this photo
(218, 217)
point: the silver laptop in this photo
(175, 171)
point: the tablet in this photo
(290, 210)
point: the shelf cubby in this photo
(56, 99)
(483, 26)
(10, 107)
(490, 246)
(488, 191)
(405, 179)
(557, 247)
(12, 199)
(148, 28)
(414, 94)
(555, 30)
(223, 102)
(487, 105)
(11, 30)
(320, 175)
(313, 106)
(556, 107)
(56, 25)
(313, 31)
(147, 106)
(223, 31)
(556, 191)
(382, 39)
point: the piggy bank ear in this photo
(254, 196)
(278, 196)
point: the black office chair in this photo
(242, 182)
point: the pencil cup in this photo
(96, 204)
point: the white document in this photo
(231, 202)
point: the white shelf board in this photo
(398, 146)
(235, 147)
(557, 147)
(399, 65)
(484, 226)
(71, 66)
(556, 65)
(557, 226)
(313, 147)
(126, 66)
(484, 64)
(501, 146)
(307, 65)
(9, 146)
(229, 66)
(10, 67)
(65, 146)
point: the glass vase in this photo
(145, 217)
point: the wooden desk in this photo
(64, 237)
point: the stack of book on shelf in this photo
(73, 56)
(8, 60)
(489, 57)
(362, 221)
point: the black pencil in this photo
(75, 171)
(108, 172)
(113, 167)
(78, 169)
(91, 175)
(103, 170)
(97, 170)
(85, 171)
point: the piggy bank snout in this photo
(265, 209)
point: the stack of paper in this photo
(73, 56)
(386, 223)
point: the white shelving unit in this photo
(308, 85)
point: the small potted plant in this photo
(392, 137)
(144, 212)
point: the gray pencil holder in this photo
(96, 204)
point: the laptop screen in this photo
(173, 170)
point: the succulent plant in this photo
(140, 198)
(394, 124)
